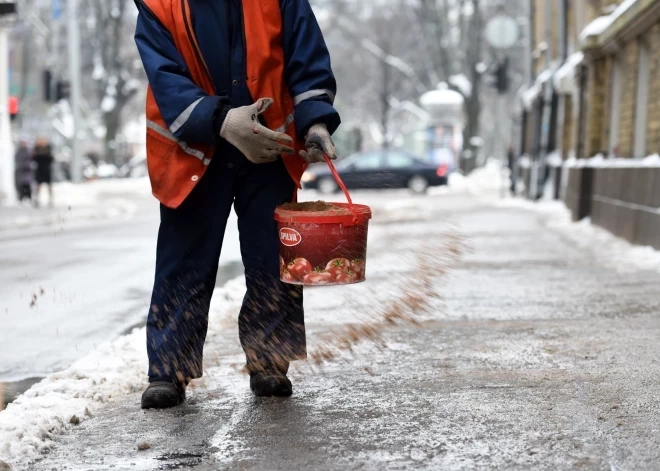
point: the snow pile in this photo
(530, 95)
(462, 83)
(113, 370)
(60, 401)
(99, 200)
(440, 98)
(599, 161)
(600, 24)
(564, 79)
(482, 181)
(618, 253)
(596, 27)
(554, 159)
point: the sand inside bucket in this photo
(311, 206)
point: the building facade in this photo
(595, 91)
(595, 87)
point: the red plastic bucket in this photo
(327, 247)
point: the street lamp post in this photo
(7, 187)
(74, 71)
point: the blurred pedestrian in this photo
(24, 177)
(513, 170)
(241, 99)
(43, 157)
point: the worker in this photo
(240, 100)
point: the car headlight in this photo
(308, 177)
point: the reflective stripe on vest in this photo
(185, 116)
(173, 176)
(311, 94)
(185, 147)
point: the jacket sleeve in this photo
(308, 71)
(191, 114)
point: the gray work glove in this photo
(318, 142)
(258, 144)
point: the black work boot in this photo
(163, 395)
(271, 381)
(266, 384)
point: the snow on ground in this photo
(115, 369)
(110, 372)
(619, 253)
(482, 181)
(99, 199)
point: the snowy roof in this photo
(564, 79)
(544, 76)
(530, 95)
(461, 82)
(442, 97)
(602, 23)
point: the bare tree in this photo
(386, 51)
(111, 60)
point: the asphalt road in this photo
(66, 288)
(540, 355)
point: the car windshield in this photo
(363, 160)
(399, 160)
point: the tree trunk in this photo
(385, 103)
(111, 121)
(472, 122)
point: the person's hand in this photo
(318, 142)
(258, 144)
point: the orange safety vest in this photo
(175, 167)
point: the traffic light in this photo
(12, 104)
(47, 84)
(62, 90)
(7, 8)
(502, 76)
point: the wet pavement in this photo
(65, 291)
(538, 354)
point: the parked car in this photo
(378, 169)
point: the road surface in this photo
(67, 288)
(539, 354)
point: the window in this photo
(398, 160)
(615, 105)
(641, 106)
(367, 161)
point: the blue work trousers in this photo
(271, 320)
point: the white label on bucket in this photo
(290, 237)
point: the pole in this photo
(7, 187)
(74, 72)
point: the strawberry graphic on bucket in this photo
(322, 243)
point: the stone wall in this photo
(653, 117)
(624, 201)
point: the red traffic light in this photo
(13, 105)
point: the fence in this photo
(622, 200)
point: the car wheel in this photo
(327, 186)
(418, 184)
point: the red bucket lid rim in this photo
(339, 214)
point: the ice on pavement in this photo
(117, 368)
(28, 426)
(618, 253)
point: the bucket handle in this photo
(339, 181)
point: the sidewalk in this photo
(535, 352)
(88, 201)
